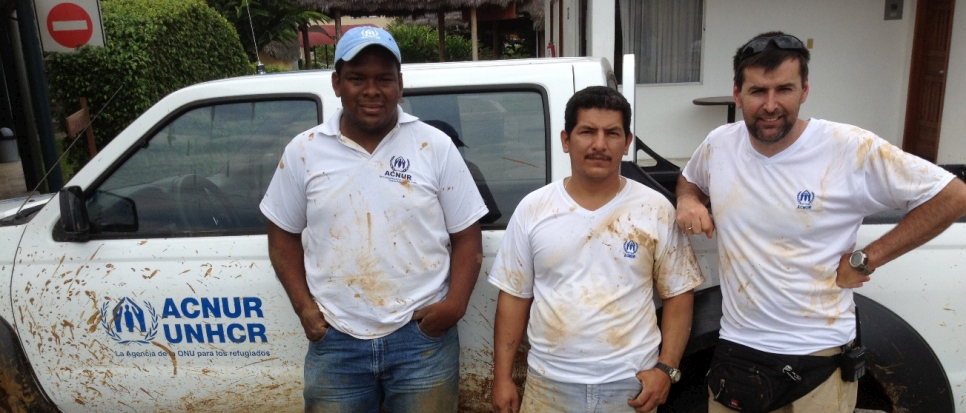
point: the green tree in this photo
(271, 20)
(154, 47)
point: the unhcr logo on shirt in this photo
(630, 249)
(399, 164)
(805, 199)
(399, 167)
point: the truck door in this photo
(172, 303)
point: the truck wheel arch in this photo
(899, 360)
(18, 385)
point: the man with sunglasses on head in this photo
(787, 197)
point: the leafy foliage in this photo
(271, 20)
(420, 44)
(153, 47)
(322, 57)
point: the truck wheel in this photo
(903, 373)
(19, 390)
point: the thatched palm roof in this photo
(289, 50)
(534, 8)
(417, 8)
(359, 8)
(283, 50)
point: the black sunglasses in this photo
(755, 46)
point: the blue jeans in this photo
(407, 371)
(544, 395)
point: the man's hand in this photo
(656, 385)
(314, 324)
(693, 217)
(436, 319)
(848, 277)
(506, 398)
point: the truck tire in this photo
(903, 373)
(19, 390)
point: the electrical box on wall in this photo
(893, 9)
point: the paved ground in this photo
(11, 181)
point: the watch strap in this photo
(671, 372)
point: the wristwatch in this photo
(860, 261)
(672, 372)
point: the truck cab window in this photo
(205, 171)
(502, 137)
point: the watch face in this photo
(675, 375)
(857, 259)
(672, 372)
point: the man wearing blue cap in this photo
(392, 242)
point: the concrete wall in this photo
(858, 73)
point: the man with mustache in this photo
(392, 243)
(787, 197)
(581, 258)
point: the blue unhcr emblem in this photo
(398, 173)
(630, 249)
(128, 323)
(805, 199)
(399, 164)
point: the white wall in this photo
(600, 43)
(858, 72)
(952, 137)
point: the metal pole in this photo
(33, 59)
(560, 29)
(473, 34)
(306, 49)
(18, 104)
(441, 27)
(338, 26)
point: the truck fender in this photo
(900, 360)
(19, 390)
(901, 367)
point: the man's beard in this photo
(780, 134)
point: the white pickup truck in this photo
(146, 285)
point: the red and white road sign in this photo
(68, 24)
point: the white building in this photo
(859, 73)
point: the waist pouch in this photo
(748, 380)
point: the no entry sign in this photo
(67, 24)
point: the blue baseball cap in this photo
(358, 38)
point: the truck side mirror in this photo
(73, 214)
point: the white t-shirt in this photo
(377, 225)
(591, 275)
(784, 222)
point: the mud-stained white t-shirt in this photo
(591, 275)
(376, 225)
(784, 222)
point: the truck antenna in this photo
(259, 68)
